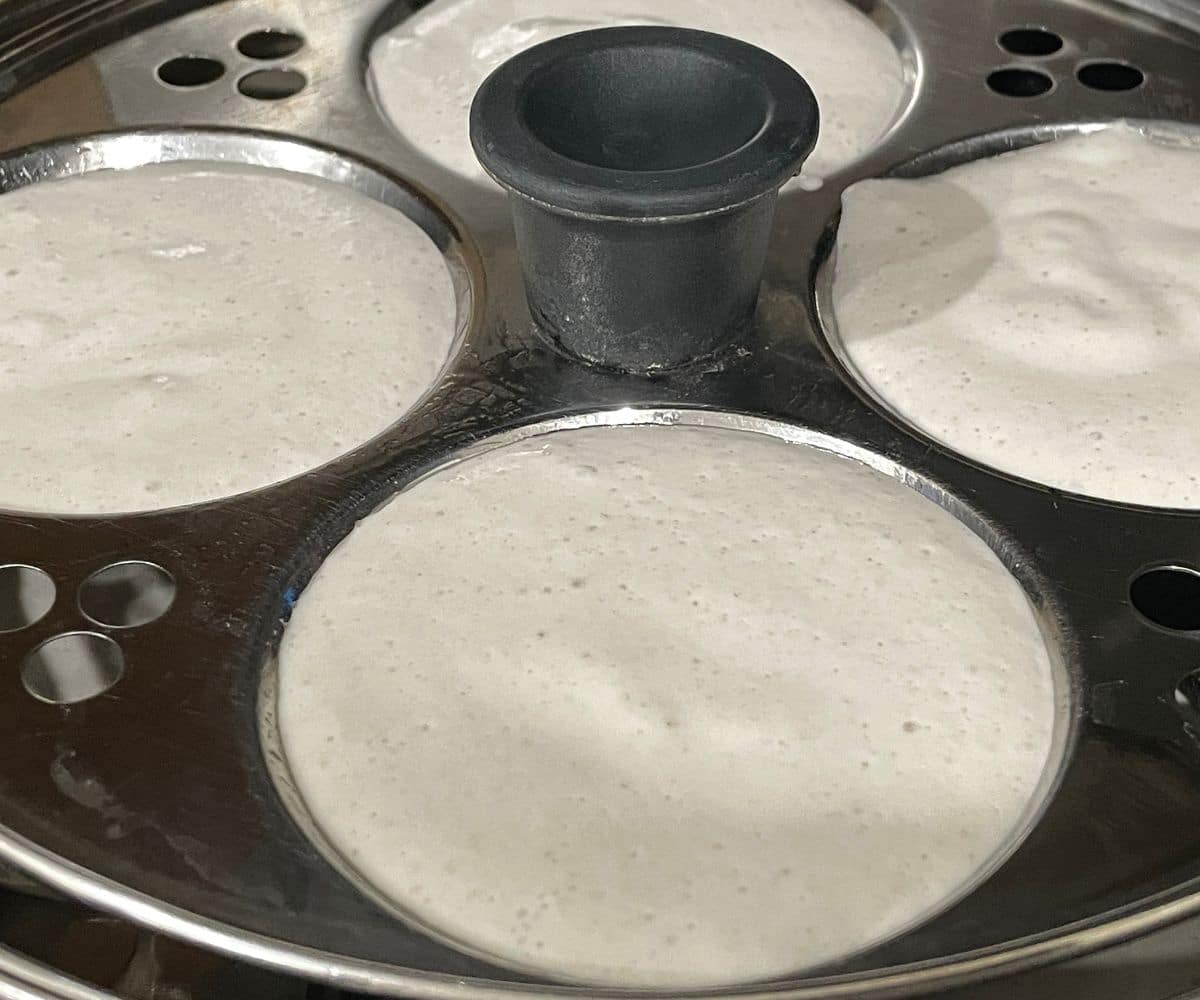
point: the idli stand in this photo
(141, 773)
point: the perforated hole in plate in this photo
(127, 594)
(1168, 596)
(26, 595)
(191, 71)
(270, 43)
(1110, 76)
(1187, 696)
(272, 84)
(1016, 81)
(72, 667)
(1031, 42)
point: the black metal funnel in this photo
(643, 165)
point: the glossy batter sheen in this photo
(178, 333)
(665, 706)
(1039, 311)
(425, 71)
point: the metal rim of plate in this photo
(1063, 678)
(934, 162)
(154, 801)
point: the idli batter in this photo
(1039, 311)
(665, 706)
(425, 71)
(178, 333)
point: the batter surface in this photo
(425, 71)
(1039, 311)
(177, 333)
(665, 706)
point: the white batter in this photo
(173, 334)
(1039, 311)
(425, 71)
(665, 706)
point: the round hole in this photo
(273, 43)
(190, 71)
(272, 84)
(1031, 42)
(1111, 76)
(645, 107)
(127, 594)
(26, 595)
(1017, 82)
(1168, 596)
(72, 667)
(1187, 695)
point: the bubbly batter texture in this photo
(177, 333)
(1039, 311)
(426, 70)
(665, 706)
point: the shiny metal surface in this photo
(1183, 13)
(57, 950)
(1161, 967)
(153, 800)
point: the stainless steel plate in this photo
(154, 801)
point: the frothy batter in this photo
(1039, 311)
(177, 333)
(665, 706)
(425, 72)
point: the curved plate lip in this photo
(382, 978)
(22, 976)
(1066, 683)
(906, 40)
(929, 164)
(126, 149)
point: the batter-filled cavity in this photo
(1039, 311)
(665, 707)
(178, 333)
(425, 72)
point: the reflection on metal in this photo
(1182, 13)
(127, 594)
(156, 802)
(26, 596)
(72, 667)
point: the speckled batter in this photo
(425, 71)
(177, 333)
(1039, 311)
(665, 706)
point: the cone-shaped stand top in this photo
(643, 165)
